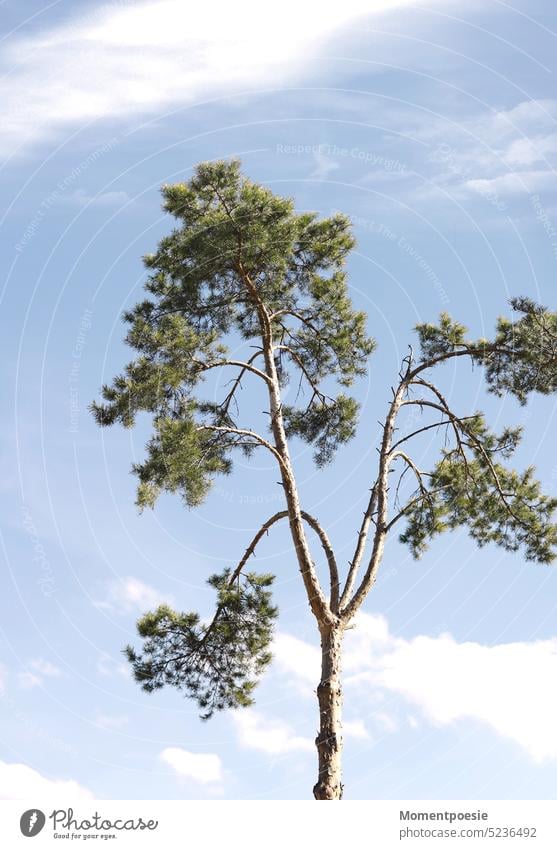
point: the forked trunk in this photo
(329, 739)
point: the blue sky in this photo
(436, 130)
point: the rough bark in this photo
(329, 739)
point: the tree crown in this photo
(232, 231)
(243, 264)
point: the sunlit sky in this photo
(435, 128)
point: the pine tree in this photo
(242, 263)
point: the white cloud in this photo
(131, 58)
(273, 736)
(355, 728)
(128, 595)
(492, 153)
(526, 114)
(18, 781)
(202, 768)
(527, 151)
(517, 182)
(302, 660)
(27, 680)
(46, 668)
(109, 668)
(508, 687)
(324, 165)
(297, 657)
(81, 198)
(36, 673)
(110, 723)
(385, 721)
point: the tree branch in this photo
(239, 363)
(382, 504)
(322, 397)
(360, 546)
(331, 560)
(380, 491)
(225, 404)
(458, 426)
(469, 350)
(243, 432)
(323, 538)
(317, 601)
(425, 428)
(412, 503)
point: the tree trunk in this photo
(329, 739)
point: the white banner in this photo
(266, 825)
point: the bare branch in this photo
(460, 428)
(309, 324)
(379, 497)
(425, 428)
(443, 408)
(411, 465)
(237, 382)
(323, 538)
(253, 544)
(407, 507)
(243, 432)
(382, 505)
(360, 546)
(419, 475)
(300, 364)
(239, 363)
(331, 560)
(467, 351)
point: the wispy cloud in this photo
(110, 723)
(324, 165)
(492, 153)
(27, 680)
(129, 594)
(137, 57)
(518, 182)
(108, 667)
(82, 198)
(36, 673)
